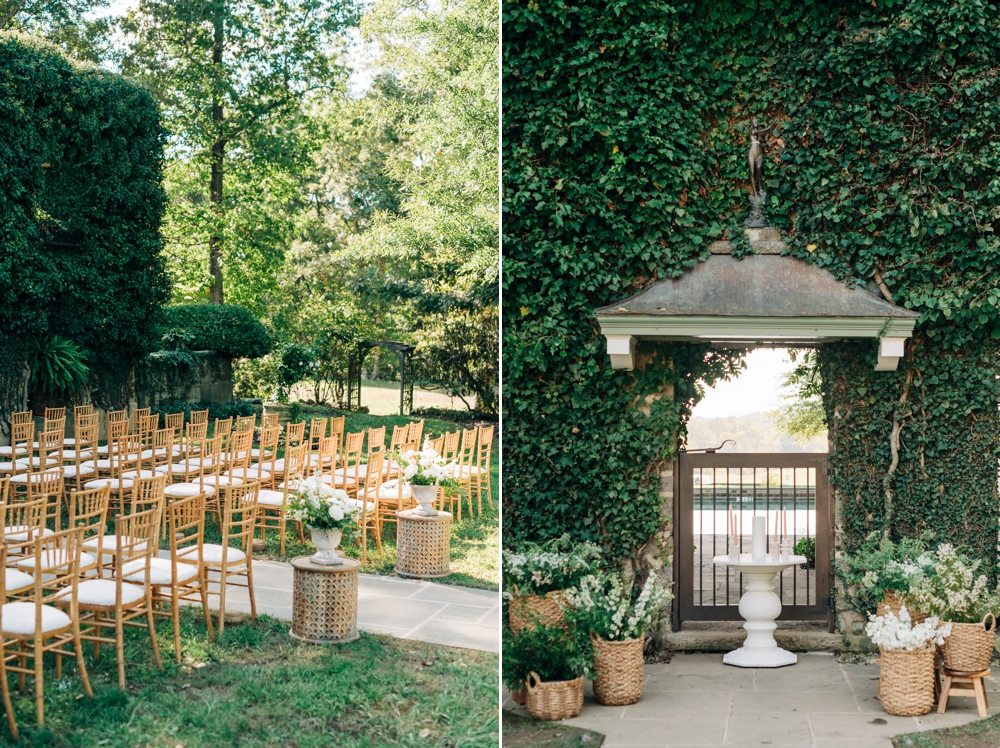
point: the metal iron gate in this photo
(710, 485)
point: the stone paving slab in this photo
(695, 700)
(404, 608)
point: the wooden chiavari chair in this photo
(269, 420)
(436, 444)
(116, 428)
(23, 522)
(349, 474)
(123, 458)
(34, 627)
(415, 432)
(317, 430)
(45, 472)
(394, 495)
(145, 494)
(199, 416)
(22, 416)
(112, 604)
(398, 438)
(479, 482)
(148, 425)
(55, 414)
(175, 421)
(72, 446)
(450, 449)
(22, 440)
(245, 423)
(337, 426)
(22, 434)
(188, 465)
(232, 558)
(223, 427)
(236, 466)
(138, 414)
(367, 501)
(273, 503)
(194, 435)
(182, 576)
(157, 457)
(329, 449)
(295, 433)
(376, 439)
(466, 458)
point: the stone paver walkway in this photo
(695, 700)
(404, 608)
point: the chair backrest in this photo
(4, 488)
(326, 456)
(295, 433)
(139, 413)
(22, 433)
(21, 417)
(337, 425)
(223, 427)
(268, 448)
(485, 447)
(22, 518)
(398, 438)
(55, 424)
(162, 449)
(50, 449)
(350, 455)
(47, 484)
(269, 420)
(147, 426)
(436, 444)
(79, 411)
(415, 432)
(245, 423)
(116, 430)
(88, 509)
(194, 435)
(317, 430)
(376, 438)
(239, 516)
(136, 536)
(54, 414)
(240, 444)
(125, 454)
(86, 419)
(115, 416)
(373, 477)
(295, 464)
(450, 448)
(199, 416)
(467, 453)
(174, 421)
(148, 493)
(57, 569)
(211, 456)
(186, 528)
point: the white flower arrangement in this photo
(891, 632)
(537, 570)
(427, 468)
(606, 608)
(950, 588)
(318, 505)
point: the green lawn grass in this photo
(256, 687)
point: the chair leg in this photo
(222, 601)
(39, 683)
(980, 689)
(203, 588)
(120, 648)
(175, 616)
(253, 603)
(7, 705)
(945, 693)
(80, 663)
(281, 530)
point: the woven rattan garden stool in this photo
(423, 545)
(325, 601)
(957, 683)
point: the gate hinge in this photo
(827, 604)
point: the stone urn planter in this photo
(970, 645)
(425, 496)
(553, 700)
(618, 668)
(326, 542)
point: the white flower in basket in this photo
(891, 632)
(329, 513)
(424, 471)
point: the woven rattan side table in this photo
(324, 601)
(423, 545)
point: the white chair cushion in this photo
(110, 544)
(270, 498)
(116, 485)
(368, 506)
(159, 451)
(254, 473)
(102, 450)
(476, 470)
(101, 592)
(16, 580)
(54, 558)
(184, 490)
(36, 461)
(71, 454)
(35, 477)
(178, 468)
(20, 533)
(221, 480)
(69, 442)
(71, 471)
(390, 490)
(279, 464)
(8, 451)
(140, 474)
(362, 471)
(208, 462)
(19, 618)
(211, 553)
(160, 571)
(7, 467)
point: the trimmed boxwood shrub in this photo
(230, 330)
(81, 156)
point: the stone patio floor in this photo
(403, 608)
(695, 700)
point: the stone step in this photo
(724, 640)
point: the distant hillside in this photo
(753, 432)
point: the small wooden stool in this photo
(958, 683)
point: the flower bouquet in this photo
(617, 621)
(424, 472)
(906, 660)
(329, 514)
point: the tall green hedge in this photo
(226, 328)
(625, 139)
(81, 152)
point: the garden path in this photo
(404, 608)
(695, 700)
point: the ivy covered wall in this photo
(625, 137)
(80, 160)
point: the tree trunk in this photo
(218, 156)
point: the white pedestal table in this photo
(760, 606)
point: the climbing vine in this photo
(624, 150)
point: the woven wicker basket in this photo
(893, 602)
(906, 681)
(619, 671)
(555, 700)
(529, 610)
(970, 645)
